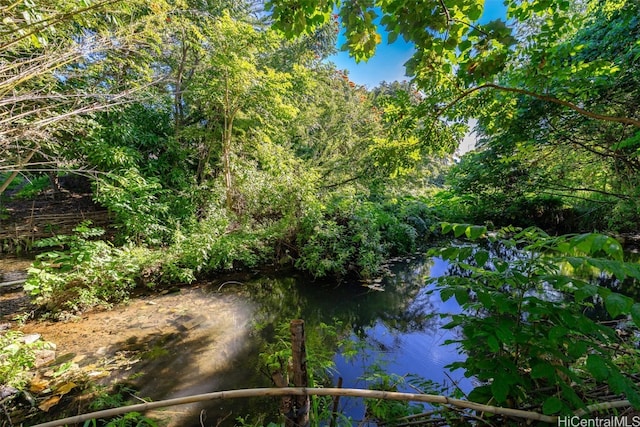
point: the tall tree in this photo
(456, 56)
(234, 83)
(592, 164)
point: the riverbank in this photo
(193, 334)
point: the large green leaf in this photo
(493, 344)
(552, 405)
(500, 390)
(543, 370)
(617, 304)
(598, 367)
(481, 257)
(473, 232)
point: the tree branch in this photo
(48, 22)
(561, 187)
(299, 391)
(547, 98)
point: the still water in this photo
(393, 330)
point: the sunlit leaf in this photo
(475, 231)
(49, 403)
(65, 388)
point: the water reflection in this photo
(406, 340)
(397, 329)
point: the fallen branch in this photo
(596, 407)
(12, 283)
(300, 391)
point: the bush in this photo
(81, 273)
(525, 328)
(137, 204)
(17, 358)
(351, 235)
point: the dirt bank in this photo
(167, 346)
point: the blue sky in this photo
(388, 62)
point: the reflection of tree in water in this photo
(403, 307)
(357, 307)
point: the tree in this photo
(60, 61)
(456, 56)
(592, 165)
(232, 84)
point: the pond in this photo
(208, 337)
(393, 329)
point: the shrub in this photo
(81, 273)
(525, 328)
(351, 235)
(17, 358)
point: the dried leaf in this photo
(65, 388)
(49, 403)
(38, 385)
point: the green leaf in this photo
(485, 299)
(552, 405)
(505, 333)
(599, 242)
(493, 344)
(465, 253)
(617, 304)
(577, 349)
(584, 242)
(449, 253)
(462, 296)
(617, 382)
(446, 294)
(598, 367)
(557, 332)
(475, 12)
(543, 370)
(585, 291)
(500, 390)
(459, 229)
(635, 313)
(475, 231)
(501, 266)
(481, 258)
(633, 396)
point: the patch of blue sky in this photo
(388, 62)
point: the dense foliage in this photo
(529, 326)
(217, 140)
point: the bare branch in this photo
(48, 22)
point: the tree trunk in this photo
(226, 161)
